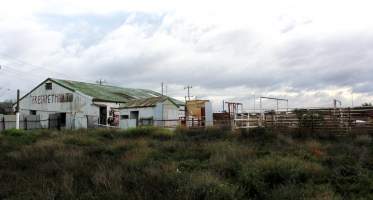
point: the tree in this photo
(366, 104)
(6, 107)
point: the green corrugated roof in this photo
(109, 93)
(147, 102)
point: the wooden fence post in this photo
(3, 123)
(349, 120)
(312, 128)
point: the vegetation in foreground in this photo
(152, 163)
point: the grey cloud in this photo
(145, 49)
(338, 61)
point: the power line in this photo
(36, 67)
(17, 74)
(188, 87)
(6, 68)
(29, 64)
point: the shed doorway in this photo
(57, 120)
(135, 115)
(103, 115)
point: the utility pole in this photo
(188, 87)
(254, 104)
(162, 88)
(352, 99)
(101, 81)
(162, 122)
(17, 111)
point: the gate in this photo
(57, 121)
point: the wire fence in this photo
(53, 121)
(320, 120)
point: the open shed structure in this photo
(158, 111)
(198, 113)
(74, 104)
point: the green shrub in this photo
(13, 132)
(203, 185)
(138, 131)
(259, 134)
(81, 140)
(303, 191)
(202, 133)
(156, 163)
(103, 133)
(266, 174)
(163, 134)
(363, 140)
(14, 137)
(226, 158)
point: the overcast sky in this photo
(307, 51)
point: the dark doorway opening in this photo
(203, 116)
(62, 120)
(103, 115)
(135, 115)
(57, 120)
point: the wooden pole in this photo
(17, 111)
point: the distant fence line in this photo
(26, 122)
(29, 122)
(326, 120)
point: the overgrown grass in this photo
(155, 163)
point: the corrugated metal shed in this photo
(110, 93)
(147, 102)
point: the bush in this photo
(156, 163)
(13, 132)
(363, 140)
(139, 131)
(307, 191)
(81, 140)
(163, 134)
(202, 133)
(269, 173)
(259, 134)
(203, 185)
(16, 137)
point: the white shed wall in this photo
(44, 102)
(146, 112)
(162, 111)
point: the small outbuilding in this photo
(198, 113)
(158, 111)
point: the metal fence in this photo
(317, 120)
(313, 120)
(54, 121)
(320, 120)
(26, 122)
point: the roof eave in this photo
(106, 100)
(125, 107)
